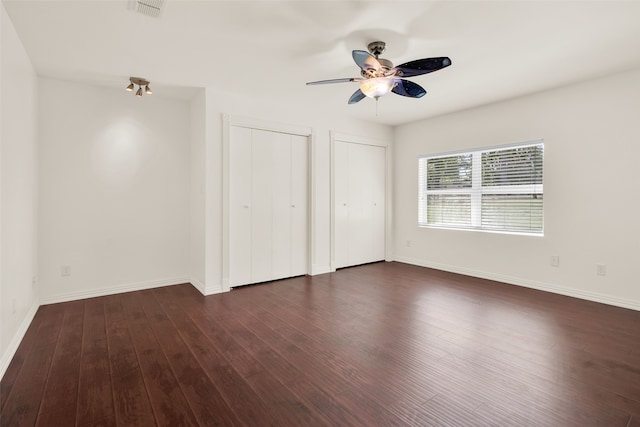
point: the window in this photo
(494, 189)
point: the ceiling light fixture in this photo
(140, 82)
(377, 87)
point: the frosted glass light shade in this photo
(376, 87)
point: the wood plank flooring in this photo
(384, 344)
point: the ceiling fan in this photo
(379, 76)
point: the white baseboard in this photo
(111, 290)
(213, 290)
(320, 269)
(17, 338)
(198, 285)
(547, 287)
(204, 290)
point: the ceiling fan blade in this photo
(420, 66)
(324, 82)
(357, 97)
(409, 89)
(365, 60)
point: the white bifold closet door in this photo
(359, 178)
(268, 226)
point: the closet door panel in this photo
(281, 206)
(376, 179)
(359, 185)
(299, 203)
(239, 206)
(341, 199)
(262, 147)
(359, 194)
(378, 191)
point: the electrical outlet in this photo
(554, 260)
(601, 270)
(65, 270)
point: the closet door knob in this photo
(293, 206)
(246, 206)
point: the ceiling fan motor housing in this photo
(385, 65)
(376, 48)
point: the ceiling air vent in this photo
(150, 7)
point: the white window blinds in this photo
(497, 189)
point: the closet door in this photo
(359, 203)
(281, 184)
(240, 159)
(262, 148)
(341, 200)
(299, 205)
(371, 233)
(268, 226)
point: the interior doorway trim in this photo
(388, 218)
(266, 125)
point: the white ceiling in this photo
(269, 49)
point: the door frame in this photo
(266, 125)
(388, 191)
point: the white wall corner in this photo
(214, 287)
(17, 338)
(206, 290)
(198, 285)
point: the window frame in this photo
(476, 191)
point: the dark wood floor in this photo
(382, 344)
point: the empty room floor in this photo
(380, 344)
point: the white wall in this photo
(114, 190)
(322, 122)
(18, 218)
(592, 147)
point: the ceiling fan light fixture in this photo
(130, 87)
(379, 76)
(147, 90)
(377, 87)
(139, 92)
